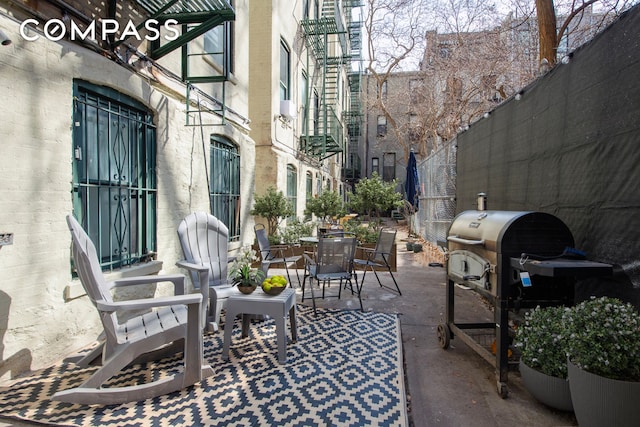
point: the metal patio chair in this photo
(379, 257)
(275, 254)
(333, 260)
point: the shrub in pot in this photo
(325, 206)
(274, 207)
(542, 341)
(604, 362)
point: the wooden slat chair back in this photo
(204, 240)
(164, 321)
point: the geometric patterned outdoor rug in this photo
(345, 370)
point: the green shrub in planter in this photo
(604, 338)
(365, 233)
(542, 340)
(604, 372)
(295, 229)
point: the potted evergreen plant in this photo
(604, 362)
(324, 206)
(373, 196)
(542, 340)
(274, 207)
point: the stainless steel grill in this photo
(515, 260)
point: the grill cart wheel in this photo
(444, 335)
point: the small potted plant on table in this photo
(242, 275)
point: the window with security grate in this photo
(225, 184)
(114, 181)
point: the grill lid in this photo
(510, 232)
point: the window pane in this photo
(389, 166)
(214, 44)
(382, 125)
(284, 72)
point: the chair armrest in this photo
(178, 281)
(146, 303)
(191, 266)
(203, 277)
(366, 250)
(279, 250)
(308, 259)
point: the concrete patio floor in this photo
(454, 387)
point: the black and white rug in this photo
(345, 370)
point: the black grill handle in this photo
(471, 277)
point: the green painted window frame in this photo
(292, 188)
(224, 184)
(285, 71)
(309, 192)
(114, 174)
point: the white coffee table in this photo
(278, 307)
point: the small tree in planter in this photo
(325, 206)
(373, 196)
(274, 207)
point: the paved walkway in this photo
(454, 387)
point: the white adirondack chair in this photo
(165, 321)
(204, 240)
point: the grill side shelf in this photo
(563, 267)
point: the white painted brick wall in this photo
(37, 325)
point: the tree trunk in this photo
(547, 30)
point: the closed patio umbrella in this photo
(412, 184)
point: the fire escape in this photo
(354, 115)
(327, 51)
(196, 18)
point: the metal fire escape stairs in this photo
(354, 115)
(196, 18)
(327, 49)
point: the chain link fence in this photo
(438, 194)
